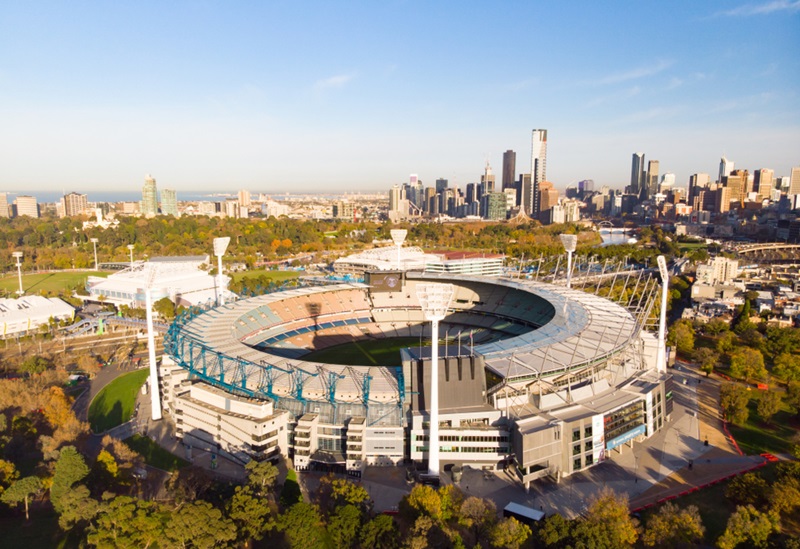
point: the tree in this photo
(8, 472)
(734, 400)
(200, 523)
(715, 326)
(707, 359)
(793, 396)
(129, 523)
(747, 524)
(20, 491)
(77, 507)
(261, 475)
(380, 533)
(165, 308)
(781, 340)
(345, 525)
(747, 489)
(70, 468)
(748, 363)
(479, 515)
(422, 501)
(784, 498)
(673, 526)
(510, 533)
(726, 342)
(252, 514)
(556, 531)
(190, 483)
(768, 405)
(607, 523)
(681, 335)
(742, 322)
(35, 365)
(787, 367)
(302, 526)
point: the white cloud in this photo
(762, 9)
(633, 74)
(674, 83)
(333, 82)
(623, 94)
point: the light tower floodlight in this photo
(220, 245)
(130, 247)
(570, 242)
(661, 356)
(94, 242)
(434, 300)
(155, 400)
(18, 257)
(398, 237)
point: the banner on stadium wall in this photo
(622, 439)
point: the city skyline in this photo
(321, 97)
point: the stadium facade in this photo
(533, 376)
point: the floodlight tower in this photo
(398, 237)
(570, 242)
(94, 243)
(155, 401)
(434, 300)
(130, 248)
(661, 356)
(18, 257)
(220, 245)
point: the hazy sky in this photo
(283, 96)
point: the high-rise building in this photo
(73, 204)
(548, 197)
(495, 206)
(169, 202)
(441, 184)
(637, 174)
(509, 169)
(725, 168)
(526, 198)
(244, 198)
(763, 183)
(26, 205)
(697, 182)
(4, 205)
(149, 197)
(794, 181)
(488, 179)
(652, 178)
(471, 196)
(538, 169)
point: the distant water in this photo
(136, 196)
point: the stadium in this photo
(533, 376)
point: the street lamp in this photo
(570, 242)
(94, 243)
(661, 356)
(434, 300)
(220, 245)
(130, 248)
(18, 257)
(398, 237)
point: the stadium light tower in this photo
(18, 257)
(220, 245)
(94, 243)
(130, 247)
(434, 300)
(661, 357)
(398, 237)
(570, 242)
(155, 401)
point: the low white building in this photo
(26, 314)
(182, 279)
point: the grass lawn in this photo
(273, 276)
(367, 352)
(48, 282)
(154, 454)
(113, 405)
(757, 437)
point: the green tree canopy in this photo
(21, 491)
(748, 525)
(674, 527)
(768, 405)
(302, 526)
(748, 363)
(734, 400)
(70, 468)
(200, 524)
(607, 523)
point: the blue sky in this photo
(308, 96)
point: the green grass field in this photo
(48, 282)
(367, 352)
(154, 454)
(275, 276)
(113, 405)
(757, 437)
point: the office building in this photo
(637, 174)
(725, 168)
(73, 204)
(697, 182)
(547, 199)
(488, 179)
(763, 182)
(244, 198)
(526, 195)
(441, 185)
(538, 169)
(652, 178)
(169, 202)
(149, 197)
(4, 205)
(509, 169)
(794, 182)
(495, 209)
(26, 205)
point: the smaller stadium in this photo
(534, 377)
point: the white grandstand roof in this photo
(385, 259)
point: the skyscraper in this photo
(637, 173)
(725, 168)
(538, 169)
(4, 205)
(74, 204)
(697, 182)
(169, 202)
(27, 205)
(509, 169)
(149, 197)
(526, 200)
(488, 179)
(794, 181)
(441, 184)
(244, 198)
(652, 178)
(763, 183)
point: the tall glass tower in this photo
(538, 169)
(149, 197)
